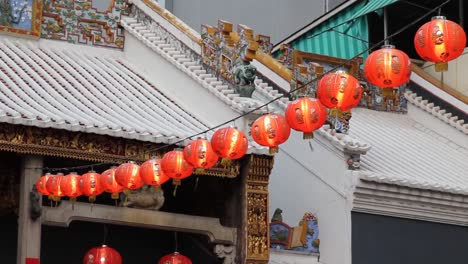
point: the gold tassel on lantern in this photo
(199, 170)
(176, 183)
(226, 162)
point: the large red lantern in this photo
(175, 258)
(109, 184)
(128, 175)
(175, 166)
(200, 154)
(387, 67)
(41, 184)
(70, 185)
(440, 40)
(152, 174)
(229, 143)
(91, 185)
(53, 186)
(306, 114)
(102, 255)
(339, 90)
(270, 130)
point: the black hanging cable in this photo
(176, 247)
(105, 235)
(265, 104)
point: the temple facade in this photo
(86, 86)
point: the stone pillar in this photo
(255, 223)
(29, 231)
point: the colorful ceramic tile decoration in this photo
(85, 22)
(387, 100)
(21, 17)
(228, 54)
(303, 237)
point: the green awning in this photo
(344, 35)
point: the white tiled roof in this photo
(407, 153)
(93, 94)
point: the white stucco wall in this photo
(456, 76)
(311, 178)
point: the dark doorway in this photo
(136, 245)
(390, 240)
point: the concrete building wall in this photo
(310, 176)
(276, 18)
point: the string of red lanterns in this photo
(439, 41)
(107, 255)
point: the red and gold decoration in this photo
(440, 40)
(387, 67)
(128, 176)
(270, 130)
(306, 114)
(152, 174)
(41, 184)
(339, 90)
(175, 258)
(70, 185)
(91, 185)
(102, 255)
(109, 184)
(200, 154)
(53, 186)
(229, 144)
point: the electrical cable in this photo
(46, 169)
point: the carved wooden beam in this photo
(211, 227)
(86, 146)
(256, 236)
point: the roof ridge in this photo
(436, 111)
(412, 183)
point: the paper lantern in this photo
(174, 165)
(200, 154)
(90, 185)
(306, 114)
(387, 67)
(109, 184)
(339, 90)
(41, 184)
(229, 143)
(440, 40)
(270, 130)
(70, 185)
(175, 258)
(128, 176)
(53, 186)
(102, 255)
(152, 174)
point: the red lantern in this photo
(109, 184)
(175, 258)
(91, 185)
(128, 175)
(387, 67)
(53, 186)
(339, 90)
(270, 130)
(440, 40)
(152, 174)
(41, 184)
(229, 143)
(200, 154)
(102, 255)
(175, 166)
(306, 114)
(70, 185)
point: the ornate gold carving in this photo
(77, 145)
(258, 248)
